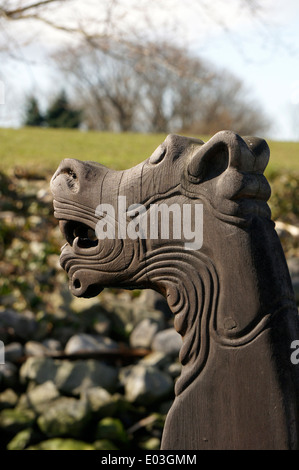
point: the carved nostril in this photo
(69, 172)
(71, 179)
(77, 284)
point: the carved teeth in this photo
(77, 234)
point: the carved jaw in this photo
(79, 235)
(81, 243)
(76, 187)
(92, 264)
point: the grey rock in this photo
(8, 318)
(69, 377)
(52, 345)
(156, 359)
(23, 402)
(100, 401)
(8, 375)
(65, 416)
(34, 348)
(155, 301)
(124, 374)
(174, 369)
(13, 352)
(86, 342)
(143, 333)
(167, 341)
(40, 396)
(23, 324)
(26, 325)
(92, 315)
(38, 369)
(75, 377)
(147, 385)
(141, 311)
(8, 399)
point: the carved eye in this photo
(158, 155)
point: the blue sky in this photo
(263, 51)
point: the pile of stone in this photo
(106, 382)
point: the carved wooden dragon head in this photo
(228, 286)
(225, 175)
(206, 279)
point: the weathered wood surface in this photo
(232, 297)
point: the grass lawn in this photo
(44, 148)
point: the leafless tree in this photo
(142, 94)
(107, 88)
(228, 104)
(108, 22)
(23, 9)
(129, 78)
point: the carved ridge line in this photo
(262, 325)
(64, 202)
(188, 301)
(230, 219)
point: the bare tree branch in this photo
(122, 92)
(126, 34)
(18, 13)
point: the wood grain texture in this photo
(232, 299)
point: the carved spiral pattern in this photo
(191, 285)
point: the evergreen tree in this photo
(33, 116)
(61, 114)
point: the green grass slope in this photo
(39, 148)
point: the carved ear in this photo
(227, 149)
(260, 150)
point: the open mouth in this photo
(78, 234)
(83, 240)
